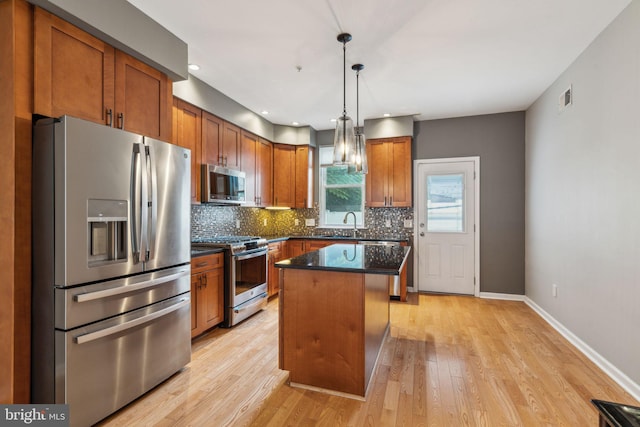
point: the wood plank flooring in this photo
(448, 361)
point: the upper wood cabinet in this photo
(284, 172)
(143, 98)
(79, 75)
(187, 131)
(230, 146)
(73, 71)
(211, 137)
(248, 148)
(304, 177)
(388, 182)
(264, 173)
(293, 175)
(221, 142)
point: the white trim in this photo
(506, 297)
(611, 370)
(476, 169)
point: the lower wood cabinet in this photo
(207, 292)
(276, 253)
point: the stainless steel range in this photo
(245, 274)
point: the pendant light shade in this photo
(344, 139)
(360, 164)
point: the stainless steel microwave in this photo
(222, 185)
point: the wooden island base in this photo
(332, 326)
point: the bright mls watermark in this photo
(34, 415)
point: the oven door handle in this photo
(250, 254)
(260, 301)
(82, 339)
(91, 296)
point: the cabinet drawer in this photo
(207, 262)
(275, 246)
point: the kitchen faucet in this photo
(344, 221)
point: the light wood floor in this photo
(448, 361)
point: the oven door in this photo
(248, 276)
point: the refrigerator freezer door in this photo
(168, 237)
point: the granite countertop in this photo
(279, 238)
(196, 252)
(352, 258)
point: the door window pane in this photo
(445, 203)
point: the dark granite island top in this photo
(334, 315)
(352, 258)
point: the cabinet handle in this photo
(202, 264)
(121, 120)
(204, 280)
(390, 200)
(385, 200)
(109, 117)
(225, 161)
(199, 282)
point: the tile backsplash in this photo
(208, 220)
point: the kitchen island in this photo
(334, 314)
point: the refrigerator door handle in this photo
(136, 202)
(144, 206)
(91, 296)
(152, 205)
(131, 324)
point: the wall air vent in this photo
(566, 99)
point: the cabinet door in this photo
(142, 98)
(304, 177)
(211, 138)
(264, 173)
(212, 294)
(274, 272)
(400, 172)
(195, 300)
(73, 71)
(248, 166)
(377, 181)
(284, 160)
(295, 248)
(187, 134)
(230, 148)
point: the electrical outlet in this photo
(408, 223)
(387, 223)
(296, 222)
(554, 290)
(237, 223)
(264, 221)
(310, 222)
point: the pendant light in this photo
(344, 138)
(360, 153)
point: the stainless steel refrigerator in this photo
(111, 275)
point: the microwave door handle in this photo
(152, 205)
(135, 203)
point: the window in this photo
(340, 193)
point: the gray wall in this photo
(582, 208)
(499, 141)
(125, 27)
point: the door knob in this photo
(422, 225)
(422, 234)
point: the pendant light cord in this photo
(344, 78)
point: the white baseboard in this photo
(616, 374)
(508, 297)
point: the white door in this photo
(446, 222)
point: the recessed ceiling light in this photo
(295, 123)
(194, 67)
(387, 115)
(265, 112)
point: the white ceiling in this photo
(427, 58)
